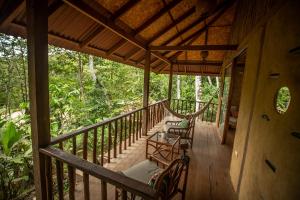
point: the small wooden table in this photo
(164, 147)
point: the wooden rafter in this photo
(195, 23)
(115, 47)
(99, 29)
(173, 24)
(189, 40)
(131, 54)
(157, 16)
(225, 47)
(10, 10)
(198, 63)
(97, 17)
(54, 6)
(115, 16)
(125, 8)
(154, 18)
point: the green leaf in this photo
(9, 136)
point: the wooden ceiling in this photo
(122, 30)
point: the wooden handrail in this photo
(69, 135)
(106, 175)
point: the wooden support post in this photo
(170, 84)
(37, 41)
(146, 92)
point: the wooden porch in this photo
(209, 168)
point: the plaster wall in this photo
(258, 139)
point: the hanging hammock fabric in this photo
(189, 116)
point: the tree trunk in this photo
(178, 87)
(197, 91)
(91, 67)
(80, 76)
(217, 82)
(209, 80)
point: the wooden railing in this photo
(89, 148)
(187, 107)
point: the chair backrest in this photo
(167, 183)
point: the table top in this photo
(164, 138)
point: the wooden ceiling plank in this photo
(223, 47)
(155, 17)
(116, 46)
(10, 10)
(173, 24)
(98, 30)
(131, 54)
(54, 6)
(97, 17)
(220, 7)
(189, 40)
(130, 4)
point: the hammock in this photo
(166, 105)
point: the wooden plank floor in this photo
(209, 168)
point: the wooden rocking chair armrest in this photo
(172, 122)
(178, 129)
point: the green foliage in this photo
(83, 90)
(16, 173)
(8, 137)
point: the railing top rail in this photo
(71, 134)
(194, 101)
(119, 180)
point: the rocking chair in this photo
(164, 181)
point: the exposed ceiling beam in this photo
(10, 10)
(97, 17)
(224, 47)
(54, 6)
(130, 4)
(99, 29)
(131, 54)
(115, 47)
(189, 40)
(173, 24)
(155, 17)
(197, 63)
(195, 23)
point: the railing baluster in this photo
(49, 181)
(86, 186)
(85, 146)
(133, 128)
(129, 133)
(74, 149)
(140, 123)
(109, 142)
(121, 133)
(102, 145)
(95, 146)
(103, 190)
(71, 176)
(124, 195)
(59, 176)
(137, 126)
(115, 138)
(125, 133)
(212, 110)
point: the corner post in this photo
(146, 92)
(37, 42)
(170, 84)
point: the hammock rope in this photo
(166, 105)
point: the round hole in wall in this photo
(282, 100)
